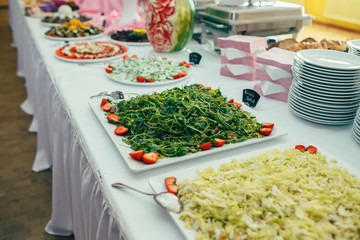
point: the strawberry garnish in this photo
(205, 146)
(266, 131)
(121, 130)
(238, 105)
(103, 102)
(172, 188)
(107, 107)
(113, 118)
(150, 157)
(311, 149)
(149, 80)
(301, 148)
(268, 125)
(208, 88)
(108, 70)
(219, 142)
(137, 154)
(140, 79)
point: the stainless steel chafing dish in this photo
(253, 19)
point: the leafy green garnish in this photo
(175, 122)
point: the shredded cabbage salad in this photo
(275, 195)
(154, 68)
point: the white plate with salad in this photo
(264, 178)
(148, 71)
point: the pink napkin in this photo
(281, 96)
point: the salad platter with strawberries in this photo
(90, 52)
(148, 71)
(278, 190)
(212, 124)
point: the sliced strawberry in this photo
(219, 142)
(177, 76)
(107, 107)
(103, 102)
(311, 149)
(187, 65)
(126, 57)
(301, 148)
(172, 188)
(265, 131)
(134, 56)
(208, 88)
(149, 80)
(183, 74)
(111, 66)
(108, 70)
(268, 125)
(201, 85)
(165, 58)
(137, 154)
(205, 146)
(238, 105)
(113, 118)
(140, 79)
(150, 157)
(182, 62)
(170, 180)
(230, 100)
(121, 130)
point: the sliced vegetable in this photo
(266, 131)
(107, 107)
(150, 157)
(108, 70)
(113, 118)
(311, 149)
(268, 125)
(219, 142)
(206, 146)
(137, 154)
(301, 148)
(121, 130)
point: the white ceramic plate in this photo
(157, 182)
(74, 38)
(329, 59)
(354, 44)
(325, 76)
(138, 166)
(327, 94)
(327, 91)
(326, 86)
(310, 68)
(149, 84)
(300, 98)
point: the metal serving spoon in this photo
(167, 200)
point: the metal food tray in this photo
(267, 20)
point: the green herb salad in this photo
(280, 194)
(177, 121)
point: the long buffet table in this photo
(85, 163)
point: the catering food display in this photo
(74, 29)
(148, 70)
(130, 36)
(63, 15)
(90, 51)
(277, 194)
(291, 44)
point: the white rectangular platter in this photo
(138, 166)
(158, 185)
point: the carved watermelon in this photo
(170, 24)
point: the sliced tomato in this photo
(172, 188)
(266, 131)
(268, 125)
(113, 118)
(108, 70)
(121, 130)
(107, 107)
(206, 146)
(219, 142)
(149, 80)
(103, 102)
(150, 157)
(140, 79)
(137, 154)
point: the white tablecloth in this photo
(70, 139)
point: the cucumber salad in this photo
(147, 69)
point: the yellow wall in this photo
(317, 7)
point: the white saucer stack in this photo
(354, 47)
(356, 126)
(326, 86)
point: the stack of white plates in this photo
(354, 47)
(325, 87)
(356, 126)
